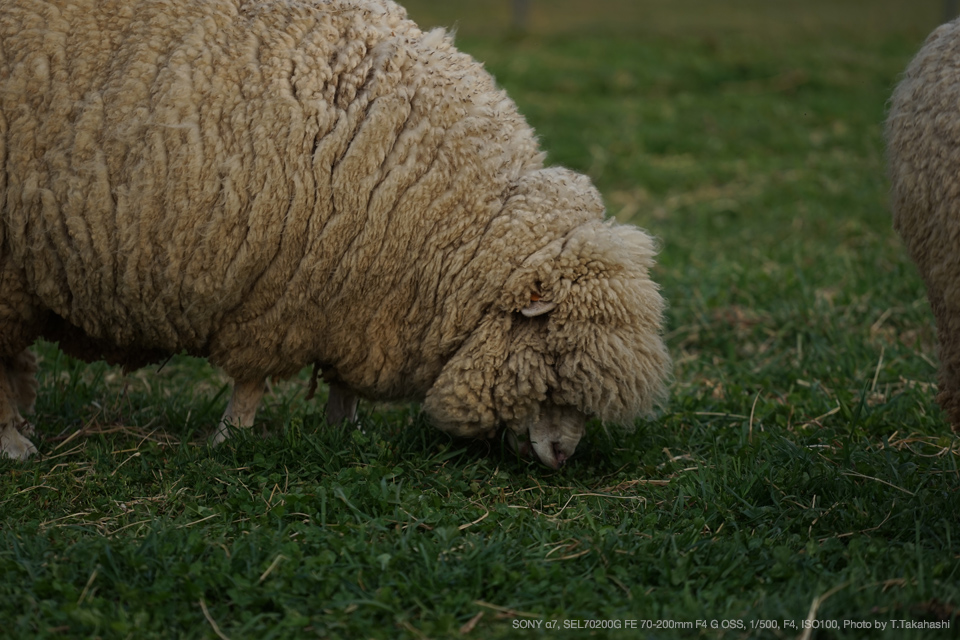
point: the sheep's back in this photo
(923, 136)
(253, 182)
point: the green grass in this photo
(800, 468)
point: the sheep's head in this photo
(577, 333)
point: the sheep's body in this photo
(923, 136)
(271, 185)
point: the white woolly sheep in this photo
(277, 184)
(923, 148)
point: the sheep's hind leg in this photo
(18, 390)
(241, 410)
(948, 337)
(341, 405)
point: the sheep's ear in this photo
(460, 401)
(538, 308)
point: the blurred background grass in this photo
(764, 19)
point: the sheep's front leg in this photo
(12, 443)
(241, 410)
(18, 390)
(341, 404)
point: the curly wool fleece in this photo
(277, 184)
(923, 138)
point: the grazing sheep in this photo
(277, 184)
(923, 138)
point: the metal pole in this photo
(521, 14)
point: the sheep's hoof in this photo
(13, 445)
(221, 434)
(341, 405)
(26, 429)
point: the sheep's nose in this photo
(559, 454)
(552, 439)
(551, 452)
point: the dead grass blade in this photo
(812, 614)
(213, 623)
(860, 475)
(471, 624)
(273, 565)
(506, 612)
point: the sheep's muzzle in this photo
(553, 438)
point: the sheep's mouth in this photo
(552, 439)
(552, 454)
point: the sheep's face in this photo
(501, 378)
(577, 335)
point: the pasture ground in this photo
(801, 471)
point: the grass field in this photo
(801, 470)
